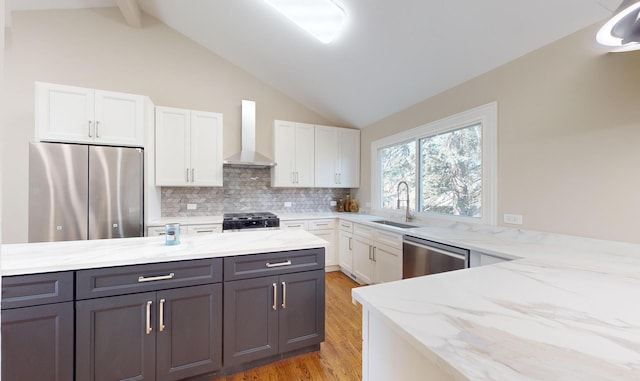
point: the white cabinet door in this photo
(284, 140)
(349, 175)
(64, 113)
(294, 154)
(330, 251)
(305, 156)
(119, 118)
(206, 149)
(345, 244)
(188, 147)
(172, 142)
(81, 115)
(388, 264)
(362, 259)
(327, 153)
(337, 157)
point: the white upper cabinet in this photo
(188, 147)
(80, 115)
(337, 157)
(293, 146)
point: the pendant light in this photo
(622, 31)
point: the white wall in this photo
(568, 136)
(95, 48)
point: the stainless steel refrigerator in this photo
(81, 192)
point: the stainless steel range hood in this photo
(248, 157)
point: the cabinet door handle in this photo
(204, 231)
(279, 264)
(161, 325)
(193, 175)
(187, 171)
(89, 124)
(284, 296)
(339, 178)
(350, 248)
(97, 128)
(275, 297)
(369, 252)
(142, 279)
(148, 320)
(374, 254)
(297, 177)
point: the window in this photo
(449, 165)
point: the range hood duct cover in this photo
(248, 157)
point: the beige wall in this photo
(96, 49)
(568, 136)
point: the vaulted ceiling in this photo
(390, 55)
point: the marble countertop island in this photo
(32, 258)
(569, 309)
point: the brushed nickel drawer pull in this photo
(279, 264)
(275, 297)
(161, 326)
(149, 329)
(284, 296)
(142, 279)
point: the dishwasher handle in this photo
(439, 251)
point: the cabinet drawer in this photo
(258, 265)
(322, 224)
(363, 231)
(346, 226)
(298, 224)
(390, 239)
(204, 229)
(111, 281)
(36, 289)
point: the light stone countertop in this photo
(32, 258)
(568, 310)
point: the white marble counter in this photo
(567, 311)
(34, 258)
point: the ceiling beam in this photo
(131, 12)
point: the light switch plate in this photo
(287, 204)
(515, 219)
(333, 203)
(192, 206)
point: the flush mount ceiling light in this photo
(321, 18)
(622, 31)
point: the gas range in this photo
(252, 220)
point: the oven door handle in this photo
(439, 251)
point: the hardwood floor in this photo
(340, 356)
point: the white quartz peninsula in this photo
(33, 258)
(563, 312)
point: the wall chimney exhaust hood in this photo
(248, 157)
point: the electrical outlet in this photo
(515, 219)
(192, 206)
(287, 204)
(333, 203)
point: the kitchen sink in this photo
(394, 224)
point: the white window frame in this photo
(487, 115)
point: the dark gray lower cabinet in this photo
(37, 327)
(164, 335)
(271, 315)
(37, 343)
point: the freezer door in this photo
(115, 192)
(57, 192)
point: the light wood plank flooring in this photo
(340, 356)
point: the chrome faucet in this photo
(408, 215)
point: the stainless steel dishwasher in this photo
(423, 257)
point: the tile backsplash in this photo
(245, 190)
